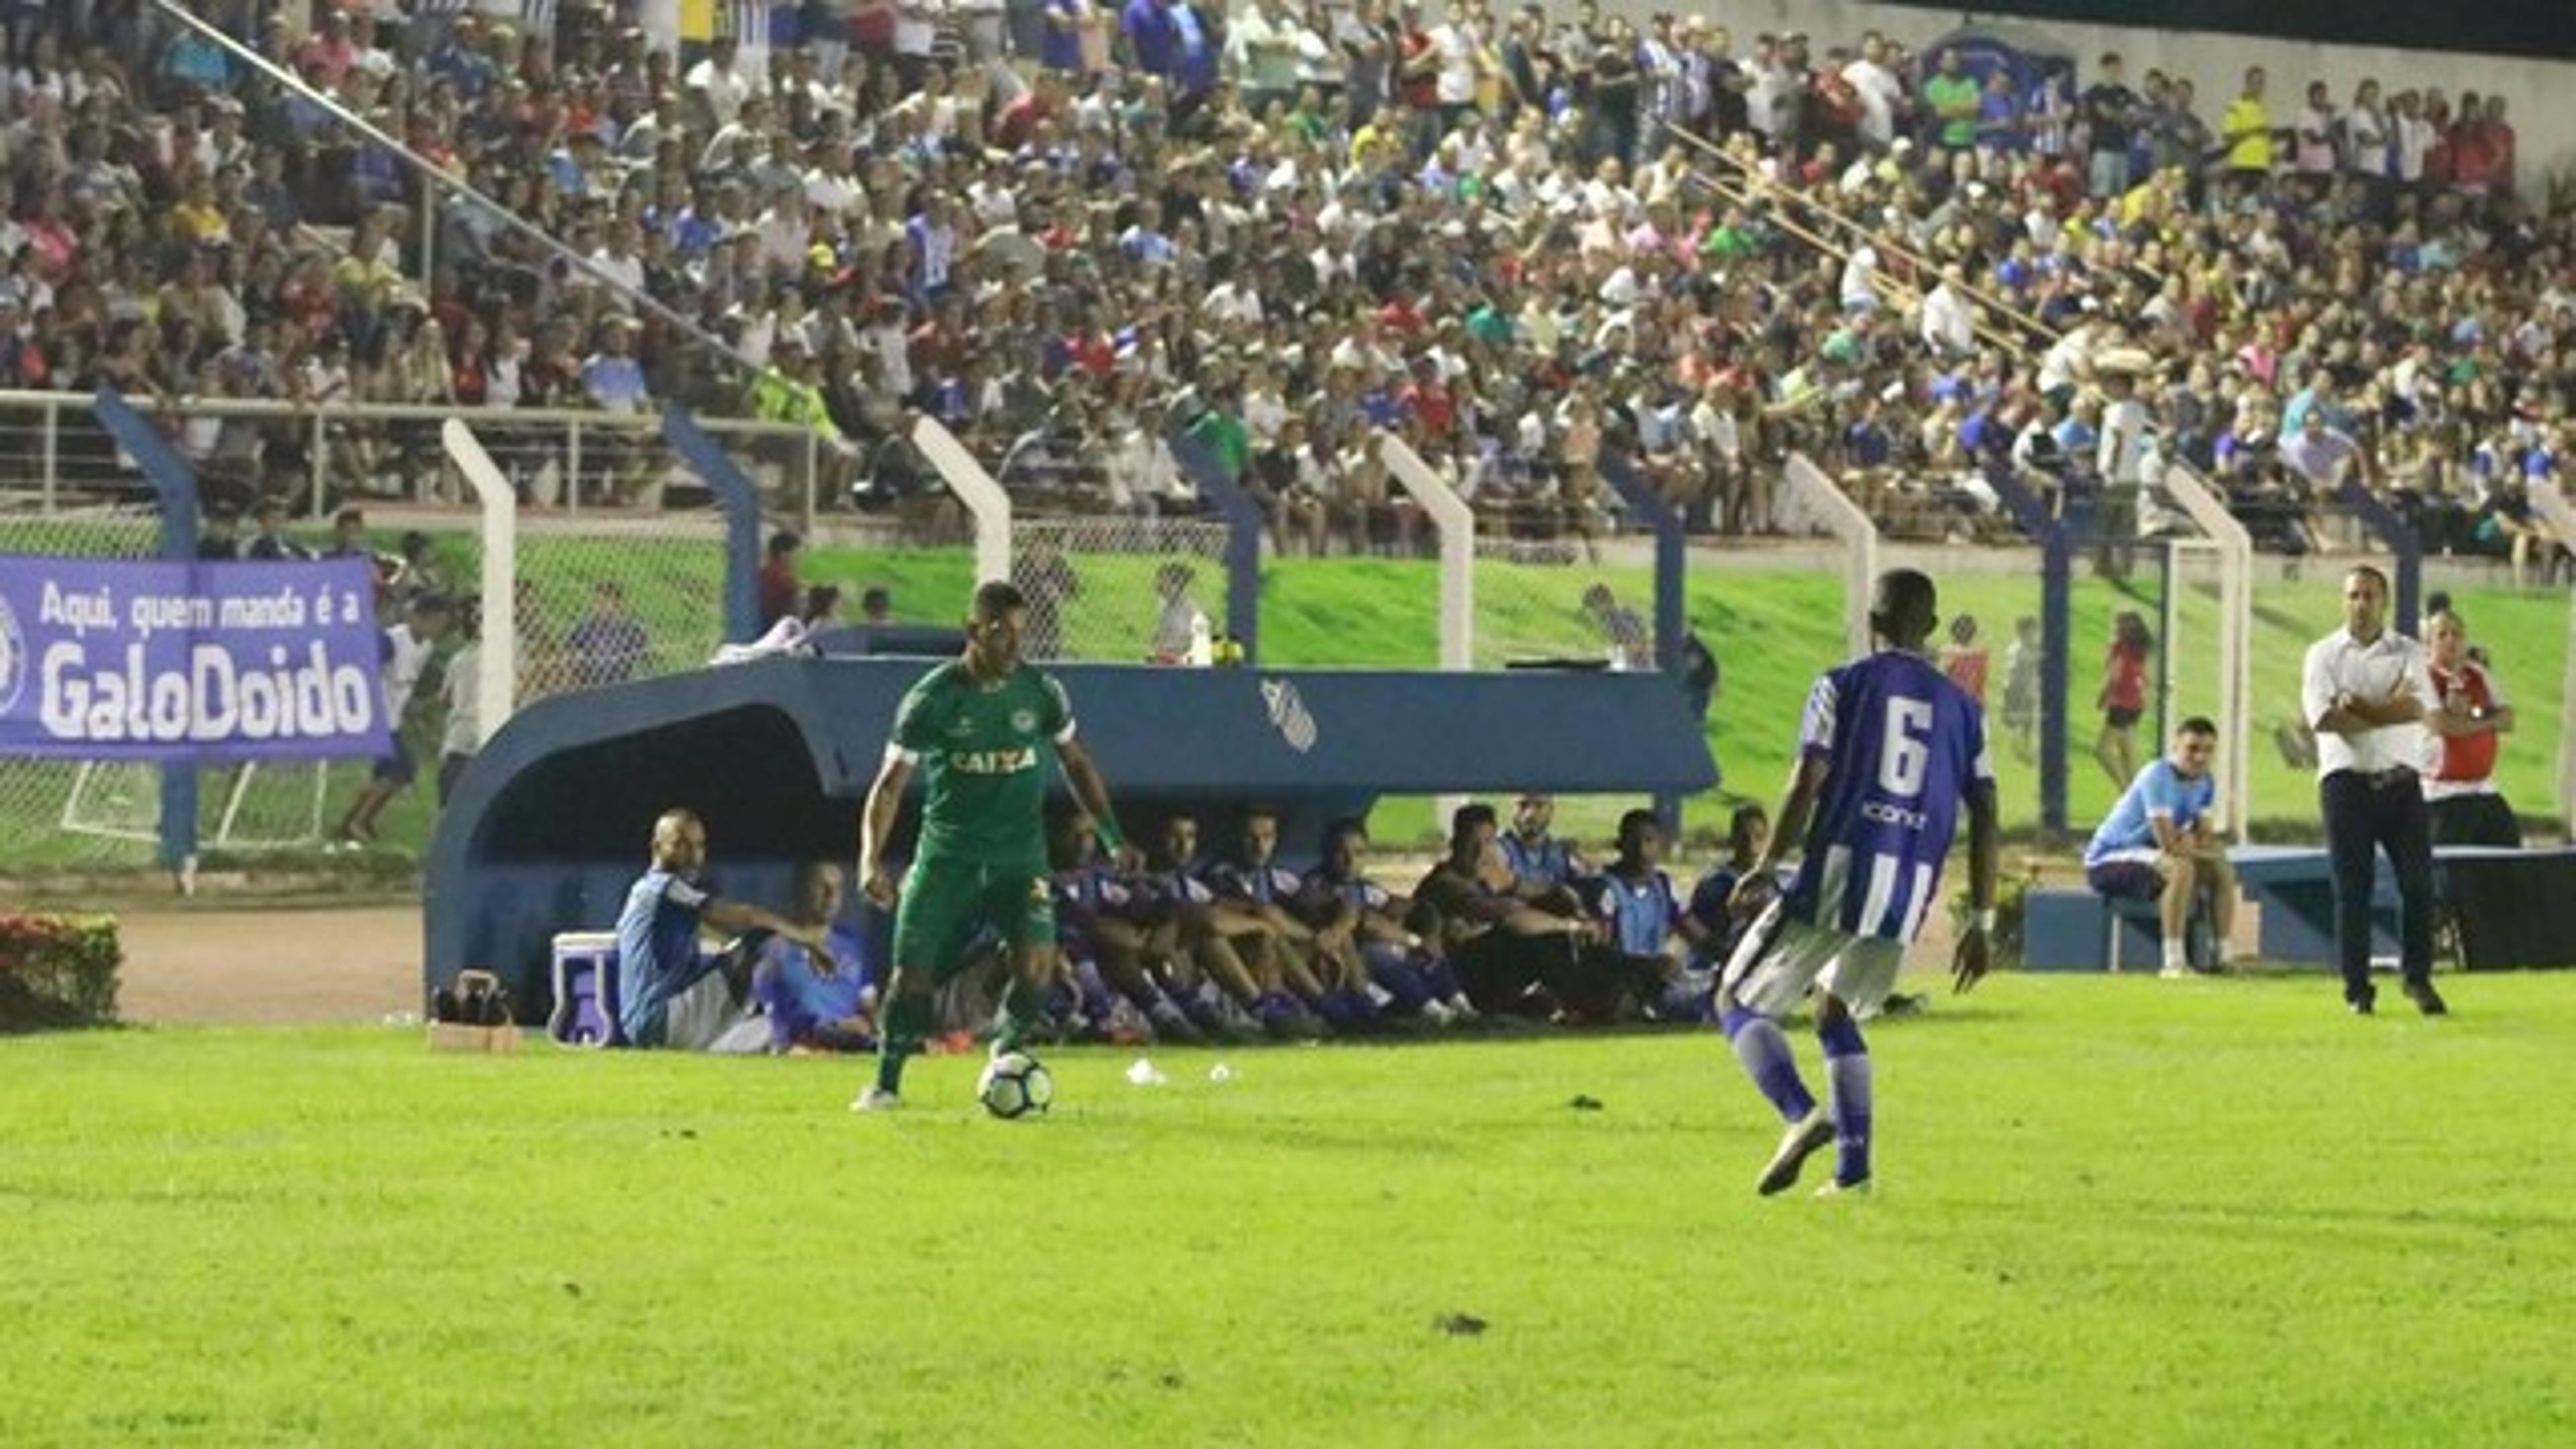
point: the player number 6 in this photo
(1905, 759)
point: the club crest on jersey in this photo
(1024, 720)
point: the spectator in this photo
(460, 737)
(2021, 685)
(2110, 118)
(669, 993)
(2123, 697)
(794, 635)
(270, 544)
(1964, 662)
(876, 606)
(405, 653)
(607, 646)
(221, 542)
(1181, 631)
(780, 588)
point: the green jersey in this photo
(985, 752)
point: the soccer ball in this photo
(1015, 1084)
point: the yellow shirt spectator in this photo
(200, 220)
(2247, 127)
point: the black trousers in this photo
(2476, 820)
(2364, 815)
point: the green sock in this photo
(907, 1020)
(1022, 1005)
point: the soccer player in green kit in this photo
(983, 728)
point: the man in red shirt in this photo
(780, 585)
(2461, 740)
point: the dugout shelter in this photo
(550, 824)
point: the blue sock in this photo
(1765, 1053)
(1397, 976)
(1443, 981)
(1847, 1082)
(1095, 993)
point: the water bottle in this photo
(1202, 641)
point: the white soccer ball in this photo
(1015, 1084)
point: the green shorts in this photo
(944, 901)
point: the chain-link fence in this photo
(1121, 588)
(1563, 602)
(62, 813)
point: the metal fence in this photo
(621, 573)
(315, 459)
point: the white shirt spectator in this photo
(1455, 44)
(406, 656)
(2121, 454)
(2340, 664)
(1858, 271)
(2320, 457)
(2414, 141)
(1949, 322)
(724, 89)
(463, 734)
(1880, 91)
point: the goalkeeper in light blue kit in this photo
(1887, 753)
(984, 730)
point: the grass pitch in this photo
(2111, 1211)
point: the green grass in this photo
(1773, 631)
(2111, 1211)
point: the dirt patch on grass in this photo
(269, 966)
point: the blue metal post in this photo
(175, 484)
(1242, 540)
(741, 503)
(1672, 556)
(2056, 632)
(2402, 543)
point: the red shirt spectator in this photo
(2124, 679)
(779, 584)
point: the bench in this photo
(2074, 928)
(2294, 886)
(2069, 928)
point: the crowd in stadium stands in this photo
(1065, 228)
(1223, 943)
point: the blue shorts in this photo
(2126, 876)
(397, 768)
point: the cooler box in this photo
(585, 978)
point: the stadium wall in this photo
(2540, 93)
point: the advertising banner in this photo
(122, 659)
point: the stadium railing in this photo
(54, 455)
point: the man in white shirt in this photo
(2366, 691)
(406, 654)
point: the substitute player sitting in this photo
(2160, 843)
(1888, 751)
(983, 729)
(817, 1000)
